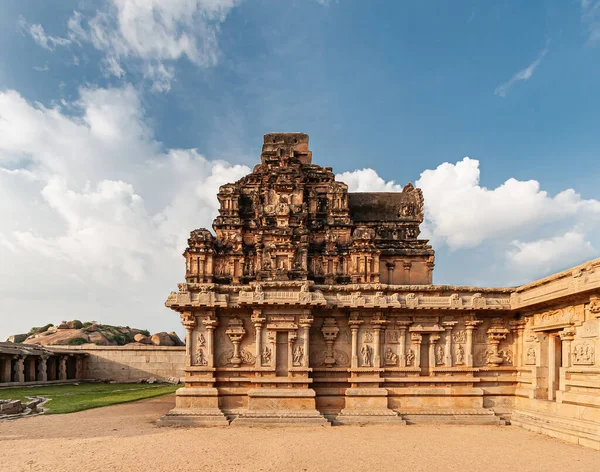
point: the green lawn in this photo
(71, 398)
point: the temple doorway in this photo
(554, 364)
(281, 354)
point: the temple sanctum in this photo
(313, 305)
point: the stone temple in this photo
(314, 305)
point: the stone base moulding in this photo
(281, 406)
(367, 405)
(195, 407)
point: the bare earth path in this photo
(123, 437)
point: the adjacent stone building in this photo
(26, 363)
(316, 305)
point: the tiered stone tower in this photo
(311, 302)
(290, 220)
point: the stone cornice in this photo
(572, 282)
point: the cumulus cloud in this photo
(154, 31)
(99, 211)
(367, 180)
(545, 255)
(553, 232)
(524, 74)
(463, 214)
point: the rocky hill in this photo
(73, 333)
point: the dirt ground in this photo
(123, 437)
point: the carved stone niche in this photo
(330, 332)
(235, 331)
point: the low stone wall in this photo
(130, 363)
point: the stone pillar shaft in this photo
(402, 348)
(354, 357)
(377, 347)
(62, 368)
(305, 346)
(20, 370)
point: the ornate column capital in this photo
(188, 320)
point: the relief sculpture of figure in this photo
(460, 354)
(530, 356)
(410, 357)
(200, 359)
(367, 355)
(390, 357)
(439, 355)
(266, 355)
(298, 354)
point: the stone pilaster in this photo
(448, 326)
(306, 320)
(470, 326)
(210, 324)
(62, 368)
(354, 322)
(42, 369)
(403, 327)
(416, 340)
(189, 321)
(258, 320)
(433, 339)
(20, 369)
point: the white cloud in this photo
(524, 74)
(40, 37)
(99, 213)
(590, 16)
(545, 255)
(154, 31)
(514, 224)
(367, 180)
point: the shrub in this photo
(76, 341)
(76, 324)
(39, 329)
(145, 332)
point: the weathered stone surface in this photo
(16, 338)
(175, 338)
(140, 338)
(162, 339)
(310, 302)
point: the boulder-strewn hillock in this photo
(74, 333)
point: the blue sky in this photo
(122, 117)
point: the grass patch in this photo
(72, 398)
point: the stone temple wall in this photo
(131, 363)
(314, 305)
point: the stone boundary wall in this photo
(131, 363)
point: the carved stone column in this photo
(20, 369)
(433, 339)
(448, 326)
(402, 326)
(62, 368)
(379, 322)
(566, 336)
(79, 367)
(416, 340)
(291, 339)
(407, 266)
(517, 327)
(258, 320)
(5, 375)
(306, 320)
(470, 325)
(210, 324)
(330, 331)
(430, 266)
(235, 331)
(390, 267)
(42, 373)
(495, 335)
(354, 323)
(189, 321)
